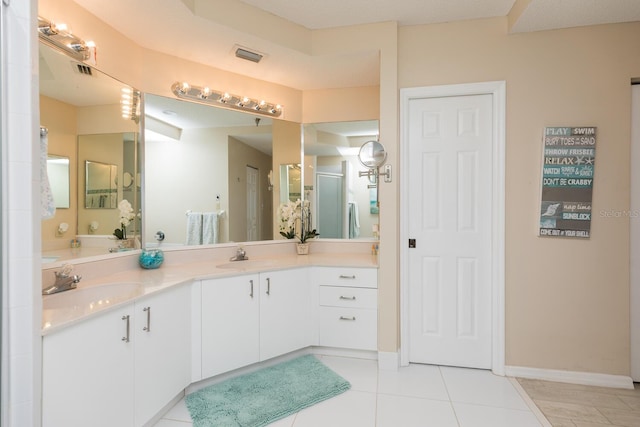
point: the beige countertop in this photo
(99, 294)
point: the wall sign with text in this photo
(567, 181)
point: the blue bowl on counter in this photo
(151, 258)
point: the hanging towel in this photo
(194, 228)
(48, 204)
(209, 228)
(354, 221)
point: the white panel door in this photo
(450, 142)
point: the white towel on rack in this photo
(354, 221)
(209, 228)
(194, 228)
(47, 202)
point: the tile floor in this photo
(419, 395)
(571, 405)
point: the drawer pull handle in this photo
(148, 327)
(351, 319)
(251, 293)
(344, 276)
(268, 286)
(126, 337)
(348, 298)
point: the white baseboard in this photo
(572, 377)
(345, 352)
(388, 361)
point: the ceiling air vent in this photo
(245, 53)
(84, 69)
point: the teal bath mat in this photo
(264, 396)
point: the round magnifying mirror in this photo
(372, 154)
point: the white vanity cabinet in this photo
(253, 317)
(88, 372)
(109, 371)
(348, 307)
(230, 323)
(162, 342)
(285, 307)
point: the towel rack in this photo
(221, 213)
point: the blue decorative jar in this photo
(151, 258)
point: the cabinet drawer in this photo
(346, 276)
(354, 328)
(343, 296)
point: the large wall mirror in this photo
(203, 161)
(199, 159)
(343, 204)
(80, 107)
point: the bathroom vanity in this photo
(188, 322)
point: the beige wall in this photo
(567, 301)
(61, 120)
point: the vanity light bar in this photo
(58, 36)
(207, 96)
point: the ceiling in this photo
(206, 31)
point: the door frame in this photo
(498, 91)
(634, 233)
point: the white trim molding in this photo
(571, 377)
(498, 90)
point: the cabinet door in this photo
(162, 350)
(230, 318)
(88, 373)
(285, 306)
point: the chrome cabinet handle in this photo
(251, 293)
(348, 298)
(148, 327)
(126, 337)
(351, 319)
(268, 286)
(344, 276)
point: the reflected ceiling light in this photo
(58, 36)
(130, 104)
(205, 93)
(208, 96)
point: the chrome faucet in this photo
(64, 281)
(241, 255)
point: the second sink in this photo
(248, 264)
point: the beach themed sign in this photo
(567, 181)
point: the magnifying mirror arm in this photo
(375, 173)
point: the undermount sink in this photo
(70, 304)
(247, 264)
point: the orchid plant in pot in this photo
(296, 216)
(126, 216)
